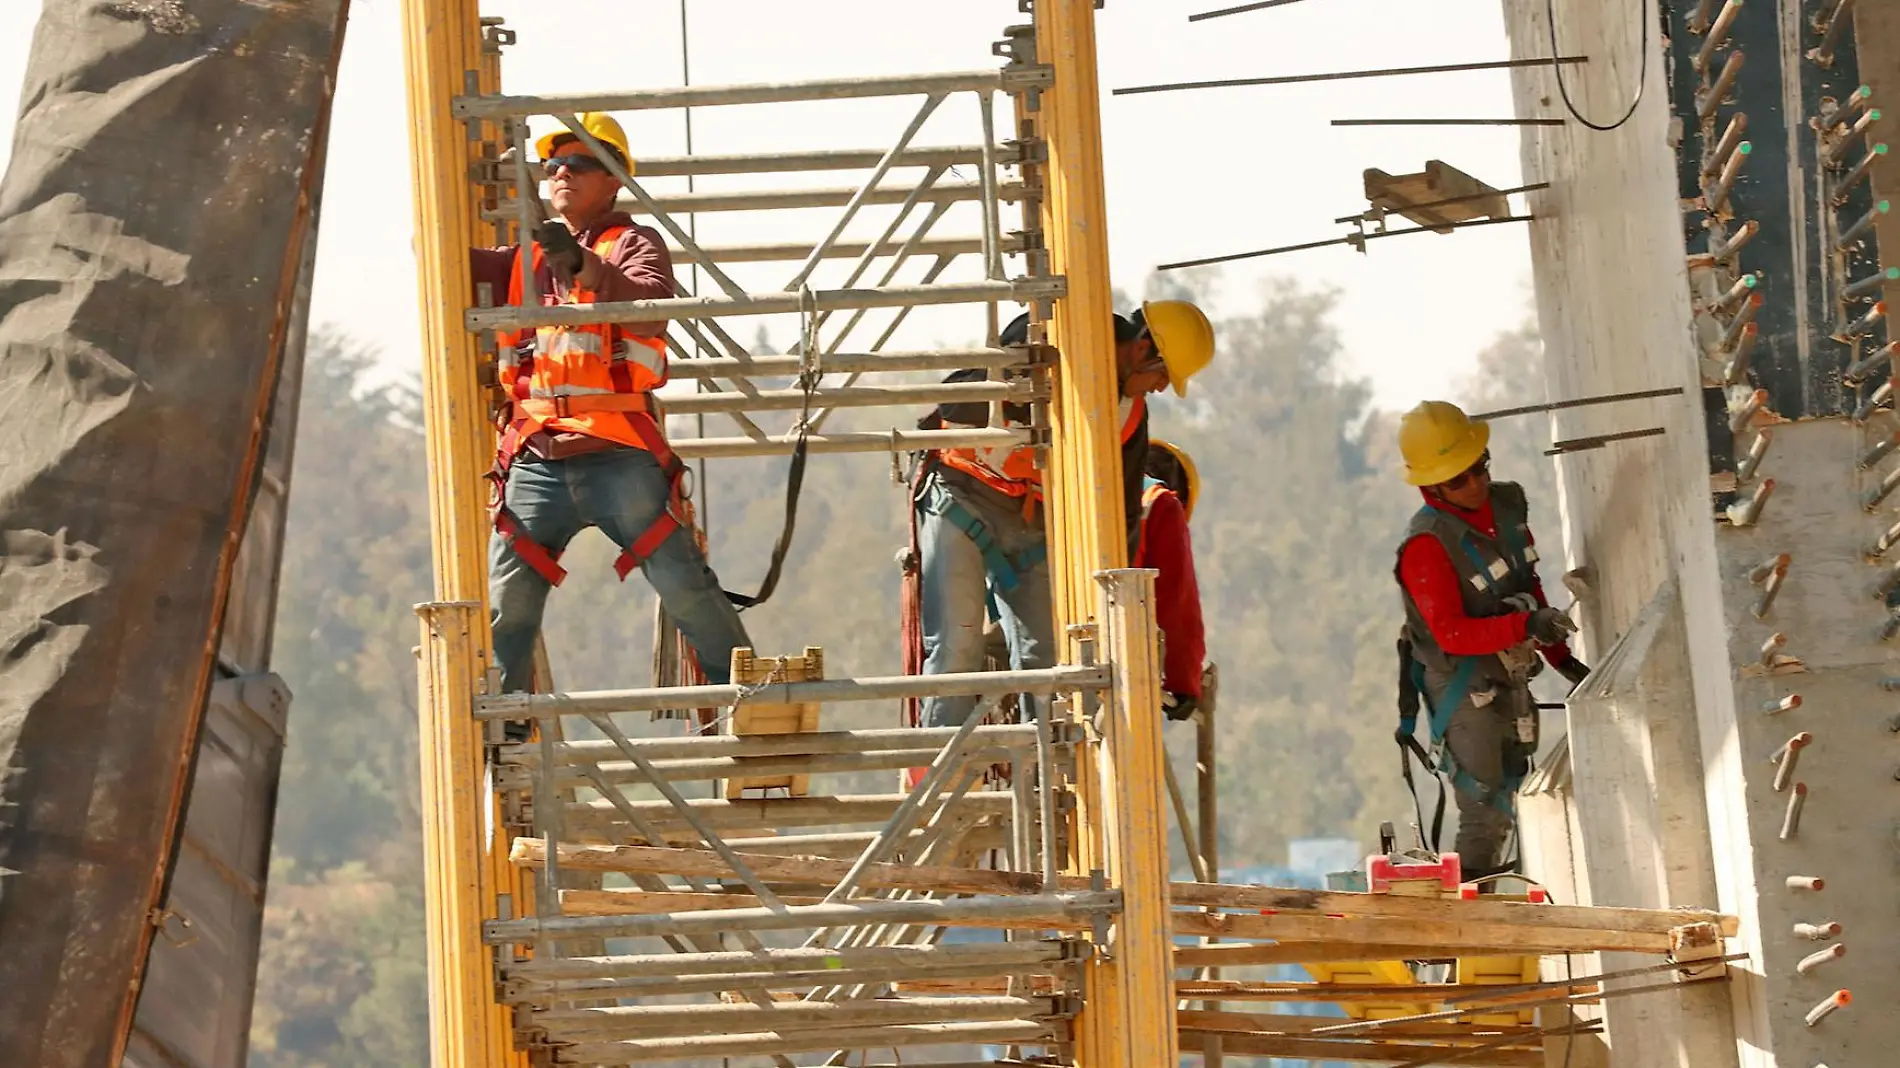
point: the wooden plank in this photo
(1379, 1052)
(1271, 1024)
(1343, 903)
(1523, 938)
(751, 718)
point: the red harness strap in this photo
(670, 520)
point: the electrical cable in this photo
(1642, 69)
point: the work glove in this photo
(1573, 669)
(1548, 626)
(558, 245)
(1179, 706)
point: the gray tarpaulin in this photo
(152, 225)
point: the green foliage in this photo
(1295, 539)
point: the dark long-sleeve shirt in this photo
(639, 268)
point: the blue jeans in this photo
(957, 588)
(622, 492)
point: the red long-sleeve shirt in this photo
(1426, 570)
(639, 268)
(1164, 545)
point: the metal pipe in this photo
(1736, 369)
(1731, 137)
(1716, 198)
(1184, 822)
(883, 168)
(752, 746)
(1805, 882)
(1770, 590)
(779, 812)
(1860, 226)
(590, 989)
(1740, 291)
(1878, 452)
(1830, 24)
(1780, 705)
(639, 311)
(1046, 787)
(791, 400)
(786, 251)
(696, 96)
(892, 441)
(1030, 909)
(701, 769)
(859, 362)
(1757, 450)
(825, 197)
(1836, 153)
(1869, 286)
(1732, 334)
(1725, 249)
(1340, 76)
(1772, 646)
(1744, 513)
(1865, 323)
(894, 687)
(1746, 410)
(678, 1021)
(1718, 34)
(1882, 357)
(1707, 102)
(992, 221)
(1879, 397)
(666, 967)
(639, 1051)
(1817, 932)
(1759, 574)
(847, 159)
(1786, 757)
(1791, 816)
(1580, 402)
(1699, 18)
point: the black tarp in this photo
(152, 226)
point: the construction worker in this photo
(1475, 622)
(1169, 492)
(978, 512)
(581, 443)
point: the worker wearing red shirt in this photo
(1476, 623)
(1169, 492)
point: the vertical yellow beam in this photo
(466, 873)
(1127, 1019)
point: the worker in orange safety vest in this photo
(977, 512)
(581, 442)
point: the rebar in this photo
(1765, 570)
(1866, 322)
(532, 991)
(1770, 647)
(1836, 152)
(1788, 755)
(1848, 182)
(1735, 294)
(1830, 24)
(1717, 35)
(1707, 102)
(1735, 370)
(1771, 589)
(1817, 932)
(1890, 626)
(1781, 704)
(679, 1021)
(1579, 402)
(697, 96)
(1698, 22)
(1805, 882)
(1732, 334)
(1725, 147)
(1871, 285)
(1834, 112)
(1348, 75)
(1716, 196)
(1840, 998)
(1881, 358)
(1791, 815)
(1002, 956)
(1809, 963)
(1725, 249)
(1757, 451)
(1871, 500)
(1746, 410)
(1879, 397)
(1889, 537)
(1860, 226)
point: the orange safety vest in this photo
(1011, 469)
(596, 380)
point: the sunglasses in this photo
(574, 165)
(1480, 469)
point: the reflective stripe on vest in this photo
(1011, 469)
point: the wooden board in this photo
(1439, 180)
(755, 718)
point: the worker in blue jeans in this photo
(621, 491)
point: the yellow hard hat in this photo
(603, 126)
(1188, 471)
(1439, 441)
(1183, 336)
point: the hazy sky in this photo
(1189, 173)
